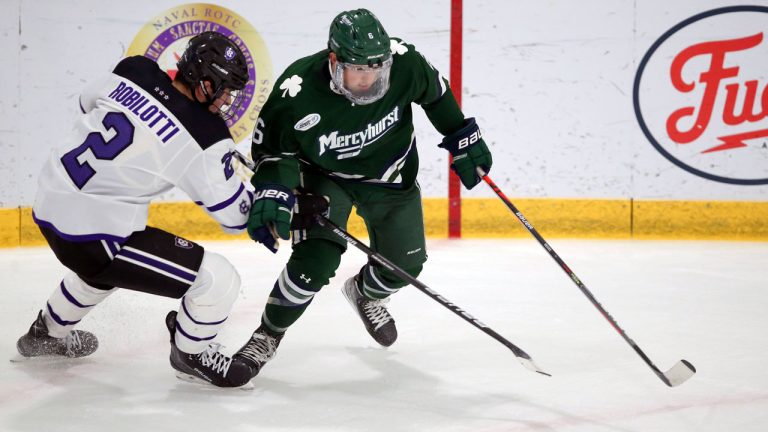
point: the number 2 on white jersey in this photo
(80, 173)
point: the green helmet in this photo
(363, 57)
(357, 37)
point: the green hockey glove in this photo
(469, 152)
(271, 215)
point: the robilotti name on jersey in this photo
(147, 112)
(350, 145)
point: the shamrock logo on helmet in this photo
(291, 85)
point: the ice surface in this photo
(700, 301)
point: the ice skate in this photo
(38, 343)
(259, 349)
(208, 367)
(377, 320)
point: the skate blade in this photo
(195, 380)
(18, 358)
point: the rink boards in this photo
(489, 218)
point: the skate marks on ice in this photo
(441, 374)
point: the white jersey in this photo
(138, 138)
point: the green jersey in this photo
(307, 121)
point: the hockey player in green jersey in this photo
(339, 124)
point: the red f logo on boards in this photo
(701, 95)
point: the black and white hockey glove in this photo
(469, 152)
(307, 207)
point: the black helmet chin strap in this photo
(209, 98)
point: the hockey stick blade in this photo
(521, 355)
(678, 374)
(530, 365)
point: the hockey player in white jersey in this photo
(140, 135)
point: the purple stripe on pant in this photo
(159, 265)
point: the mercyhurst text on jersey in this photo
(350, 145)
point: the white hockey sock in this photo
(373, 286)
(206, 304)
(69, 303)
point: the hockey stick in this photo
(676, 375)
(521, 355)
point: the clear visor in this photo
(362, 84)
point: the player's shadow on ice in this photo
(391, 393)
(401, 395)
(48, 369)
(69, 392)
